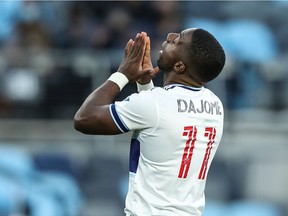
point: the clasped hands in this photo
(136, 64)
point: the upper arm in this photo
(138, 111)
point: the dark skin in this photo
(93, 117)
(174, 53)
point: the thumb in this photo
(153, 72)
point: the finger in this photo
(147, 46)
(147, 56)
(139, 45)
(146, 72)
(128, 47)
(144, 34)
(135, 39)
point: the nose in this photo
(171, 37)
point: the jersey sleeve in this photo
(138, 111)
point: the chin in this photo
(163, 66)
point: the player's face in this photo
(173, 48)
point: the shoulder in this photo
(137, 111)
(144, 100)
(211, 94)
(149, 94)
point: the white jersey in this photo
(177, 130)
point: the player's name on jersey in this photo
(209, 107)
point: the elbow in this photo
(78, 125)
(94, 123)
(81, 125)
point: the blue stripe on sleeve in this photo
(117, 119)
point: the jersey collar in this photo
(171, 86)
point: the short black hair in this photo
(208, 56)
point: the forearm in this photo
(94, 116)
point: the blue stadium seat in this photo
(252, 208)
(252, 34)
(45, 193)
(11, 198)
(214, 208)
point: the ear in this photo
(179, 67)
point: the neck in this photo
(172, 78)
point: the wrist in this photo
(145, 87)
(120, 79)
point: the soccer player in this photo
(176, 128)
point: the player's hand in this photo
(131, 65)
(147, 64)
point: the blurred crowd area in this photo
(53, 53)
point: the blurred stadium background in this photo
(52, 54)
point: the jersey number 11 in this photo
(191, 132)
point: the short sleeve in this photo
(138, 111)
